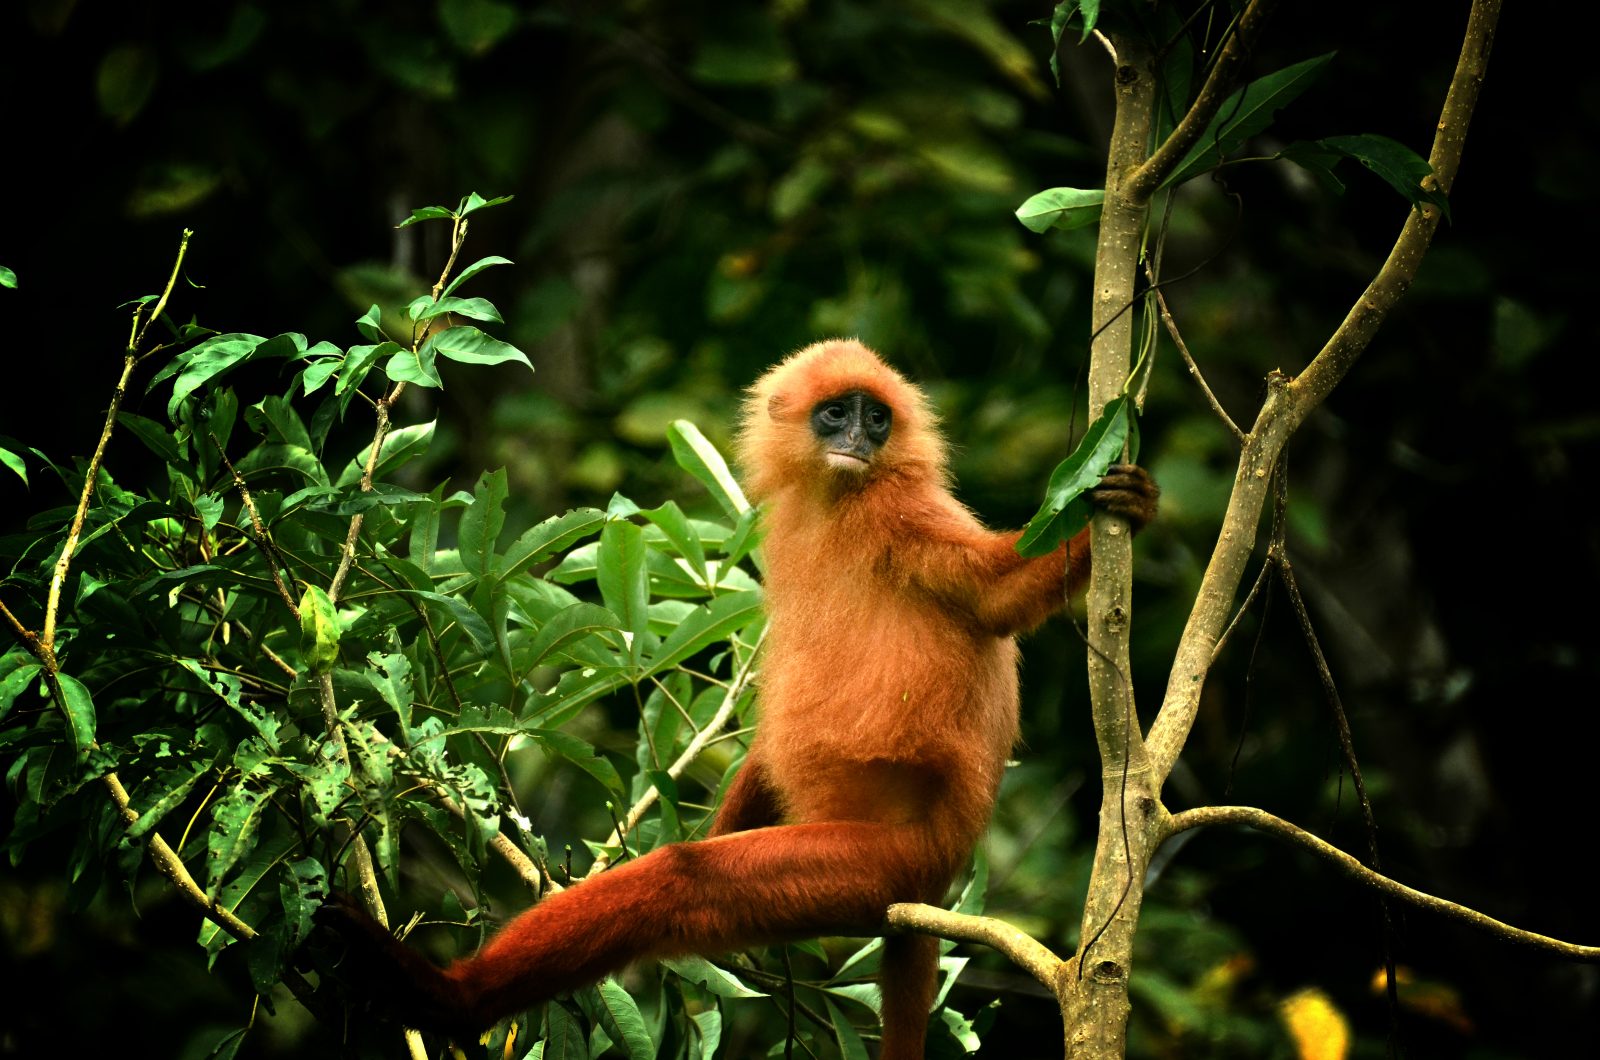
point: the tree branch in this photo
(1262, 821)
(1143, 182)
(1024, 950)
(1289, 402)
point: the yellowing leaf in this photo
(319, 631)
(1319, 1029)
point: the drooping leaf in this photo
(1245, 113)
(80, 714)
(468, 345)
(1063, 208)
(1055, 521)
(696, 455)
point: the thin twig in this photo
(702, 739)
(1262, 821)
(1189, 361)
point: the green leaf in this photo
(672, 522)
(15, 683)
(1063, 208)
(468, 345)
(475, 202)
(574, 623)
(427, 213)
(851, 1047)
(14, 462)
(696, 455)
(563, 1034)
(235, 826)
(207, 361)
(174, 785)
(1245, 113)
(555, 534)
(7, 278)
(482, 521)
(359, 361)
(1100, 448)
(319, 631)
(580, 754)
(715, 622)
(370, 324)
(622, 573)
(699, 970)
(1399, 166)
(399, 447)
(472, 270)
(469, 620)
(80, 714)
(418, 368)
(473, 308)
(622, 1021)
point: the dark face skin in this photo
(852, 428)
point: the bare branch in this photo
(1262, 821)
(1188, 360)
(1023, 949)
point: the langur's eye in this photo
(878, 416)
(833, 412)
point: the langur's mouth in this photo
(848, 461)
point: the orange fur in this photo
(888, 708)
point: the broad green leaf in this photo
(359, 361)
(418, 368)
(319, 631)
(696, 455)
(399, 447)
(622, 574)
(1245, 113)
(427, 213)
(1399, 166)
(708, 1025)
(576, 622)
(251, 871)
(580, 754)
(472, 270)
(699, 970)
(174, 786)
(235, 826)
(482, 521)
(670, 518)
(80, 714)
(7, 278)
(623, 1023)
(199, 366)
(1100, 448)
(14, 462)
(15, 683)
(1063, 208)
(468, 345)
(555, 534)
(851, 1047)
(469, 620)
(563, 1034)
(370, 324)
(472, 308)
(717, 621)
(475, 202)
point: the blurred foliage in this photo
(702, 187)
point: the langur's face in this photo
(851, 428)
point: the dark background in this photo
(701, 188)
